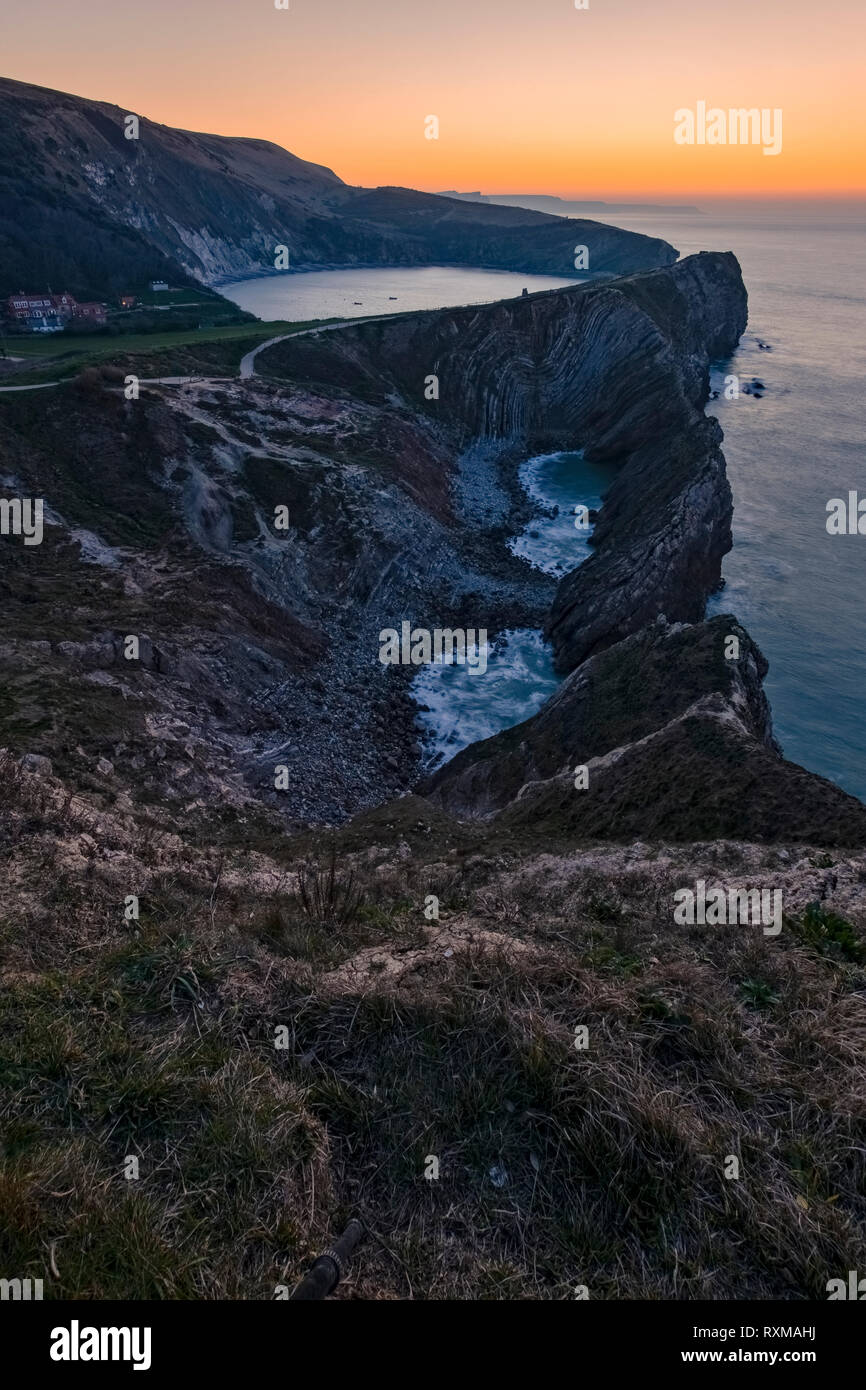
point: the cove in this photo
(456, 709)
(369, 290)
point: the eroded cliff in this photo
(265, 647)
(408, 1031)
(619, 370)
(673, 732)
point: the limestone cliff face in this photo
(603, 366)
(615, 699)
(666, 521)
(662, 532)
(263, 647)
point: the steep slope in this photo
(169, 502)
(264, 648)
(677, 742)
(261, 646)
(83, 207)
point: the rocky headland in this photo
(261, 647)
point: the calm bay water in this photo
(349, 294)
(800, 591)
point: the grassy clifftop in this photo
(402, 1039)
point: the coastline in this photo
(402, 509)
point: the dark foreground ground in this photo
(405, 1039)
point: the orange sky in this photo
(531, 95)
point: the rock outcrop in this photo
(259, 650)
(666, 520)
(255, 706)
(603, 366)
(677, 743)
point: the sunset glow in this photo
(531, 95)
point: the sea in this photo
(790, 403)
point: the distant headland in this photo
(566, 207)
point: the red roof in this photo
(41, 301)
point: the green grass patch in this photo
(159, 353)
(827, 932)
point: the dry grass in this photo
(328, 897)
(557, 1166)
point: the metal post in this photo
(329, 1268)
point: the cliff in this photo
(619, 370)
(264, 648)
(85, 208)
(677, 741)
(600, 366)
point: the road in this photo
(143, 381)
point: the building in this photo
(156, 285)
(49, 313)
(128, 301)
(90, 313)
(40, 312)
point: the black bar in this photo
(615, 1338)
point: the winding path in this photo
(143, 380)
(248, 360)
(247, 367)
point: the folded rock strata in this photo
(618, 369)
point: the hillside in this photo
(84, 208)
(285, 1034)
